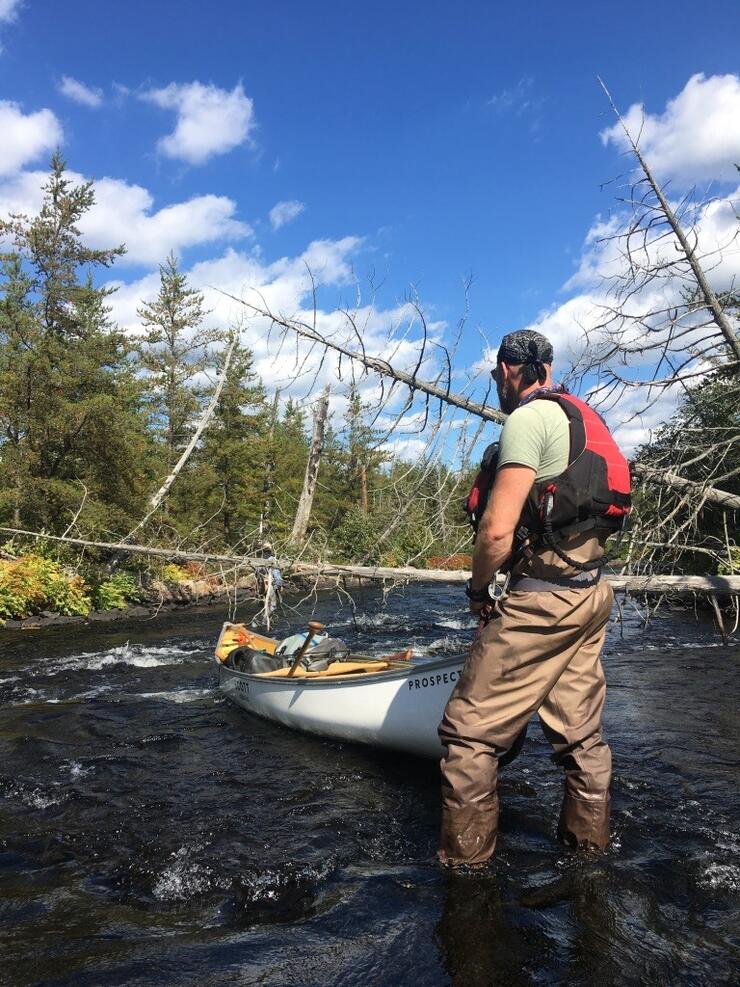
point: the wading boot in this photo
(469, 832)
(584, 822)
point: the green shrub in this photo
(731, 566)
(172, 573)
(117, 592)
(32, 584)
(357, 537)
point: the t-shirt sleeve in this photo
(523, 439)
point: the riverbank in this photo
(167, 597)
(38, 592)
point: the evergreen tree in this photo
(223, 492)
(289, 453)
(174, 351)
(69, 422)
(364, 456)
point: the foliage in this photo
(72, 435)
(91, 424)
(173, 351)
(357, 537)
(33, 583)
(731, 566)
(221, 494)
(117, 592)
(172, 573)
(700, 442)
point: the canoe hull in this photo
(398, 710)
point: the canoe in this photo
(382, 702)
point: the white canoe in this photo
(398, 708)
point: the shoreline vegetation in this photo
(37, 591)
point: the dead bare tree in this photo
(305, 503)
(662, 336)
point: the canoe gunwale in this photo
(349, 680)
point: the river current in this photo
(151, 833)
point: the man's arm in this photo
(495, 539)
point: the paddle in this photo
(314, 627)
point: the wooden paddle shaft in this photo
(314, 627)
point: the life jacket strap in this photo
(551, 538)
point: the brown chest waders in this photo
(537, 651)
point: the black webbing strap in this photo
(531, 584)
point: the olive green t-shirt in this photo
(538, 436)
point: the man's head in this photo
(524, 360)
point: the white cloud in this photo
(78, 92)
(284, 212)
(210, 120)
(284, 284)
(576, 327)
(410, 450)
(284, 287)
(124, 213)
(696, 138)
(518, 99)
(9, 10)
(8, 13)
(636, 421)
(25, 136)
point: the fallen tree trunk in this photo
(712, 495)
(722, 585)
(380, 366)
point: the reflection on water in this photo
(151, 833)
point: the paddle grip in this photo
(314, 627)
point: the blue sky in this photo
(444, 139)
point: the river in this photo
(151, 833)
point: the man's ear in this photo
(511, 372)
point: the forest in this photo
(94, 419)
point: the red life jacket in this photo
(594, 490)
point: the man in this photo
(539, 651)
(269, 578)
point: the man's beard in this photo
(508, 399)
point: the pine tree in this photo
(69, 423)
(222, 495)
(290, 452)
(174, 351)
(363, 450)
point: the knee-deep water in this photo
(151, 833)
